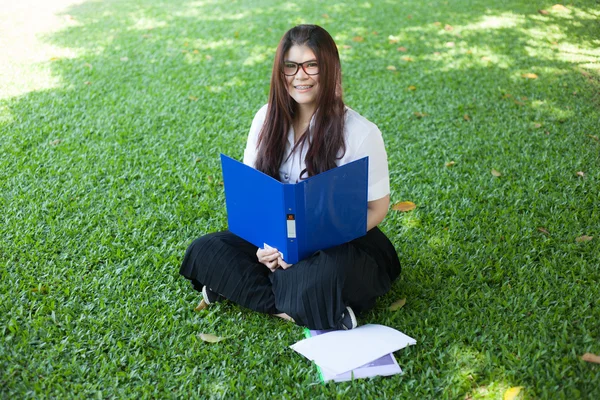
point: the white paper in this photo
(342, 351)
(369, 370)
(383, 366)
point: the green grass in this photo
(112, 116)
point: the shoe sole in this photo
(352, 318)
(205, 296)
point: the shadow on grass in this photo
(115, 171)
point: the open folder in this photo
(298, 219)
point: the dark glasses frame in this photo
(298, 65)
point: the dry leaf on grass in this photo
(201, 306)
(391, 68)
(596, 138)
(450, 164)
(584, 238)
(398, 304)
(419, 114)
(404, 206)
(466, 117)
(529, 75)
(543, 12)
(40, 289)
(193, 98)
(407, 59)
(448, 27)
(412, 87)
(543, 230)
(591, 358)
(210, 338)
(496, 173)
(358, 39)
(580, 173)
(512, 393)
(402, 49)
(55, 142)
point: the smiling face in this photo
(302, 87)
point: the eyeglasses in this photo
(291, 68)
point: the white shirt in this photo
(362, 138)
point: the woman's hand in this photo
(269, 257)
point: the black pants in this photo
(314, 292)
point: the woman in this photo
(305, 129)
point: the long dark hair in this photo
(328, 130)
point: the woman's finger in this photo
(272, 257)
(268, 259)
(283, 264)
(262, 253)
(272, 265)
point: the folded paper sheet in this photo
(383, 366)
(341, 351)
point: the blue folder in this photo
(298, 219)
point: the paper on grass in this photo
(383, 366)
(341, 351)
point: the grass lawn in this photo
(112, 118)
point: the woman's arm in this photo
(376, 211)
(250, 153)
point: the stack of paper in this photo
(383, 366)
(358, 353)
